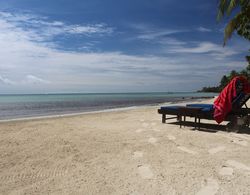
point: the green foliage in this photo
(210, 89)
(248, 60)
(224, 81)
(240, 22)
(233, 74)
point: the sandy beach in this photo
(121, 152)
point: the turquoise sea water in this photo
(19, 106)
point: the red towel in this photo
(223, 104)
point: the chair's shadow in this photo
(211, 128)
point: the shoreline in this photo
(70, 114)
(52, 116)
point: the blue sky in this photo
(69, 46)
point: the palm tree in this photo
(240, 22)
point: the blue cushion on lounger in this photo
(170, 107)
(205, 107)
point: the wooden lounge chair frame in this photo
(181, 112)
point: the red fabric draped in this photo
(223, 104)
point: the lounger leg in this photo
(180, 121)
(163, 118)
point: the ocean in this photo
(34, 105)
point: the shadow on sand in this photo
(212, 128)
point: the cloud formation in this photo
(166, 39)
(203, 29)
(41, 29)
(35, 80)
(205, 48)
(31, 62)
(6, 81)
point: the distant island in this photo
(227, 78)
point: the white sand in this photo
(216, 150)
(120, 152)
(211, 188)
(226, 171)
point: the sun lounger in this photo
(206, 111)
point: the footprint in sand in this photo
(145, 171)
(152, 140)
(171, 137)
(216, 150)
(153, 124)
(226, 171)
(240, 142)
(139, 130)
(210, 188)
(184, 149)
(156, 130)
(134, 193)
(237, 139)
(241, 136)
(137, 154)
(238, 165)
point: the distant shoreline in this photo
(104, 93)
(60, 115)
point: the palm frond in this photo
(232, 4)
(232, 26)
(244, 3)
(222, 9)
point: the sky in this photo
(91, 46)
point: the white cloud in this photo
(205, 48)
(6, 81)
(31, 79)
(89, 29)
(31, 66)
(203, 29)
(40, 29)
(151, 35)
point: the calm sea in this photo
(22, 106)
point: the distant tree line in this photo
(227, 78)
